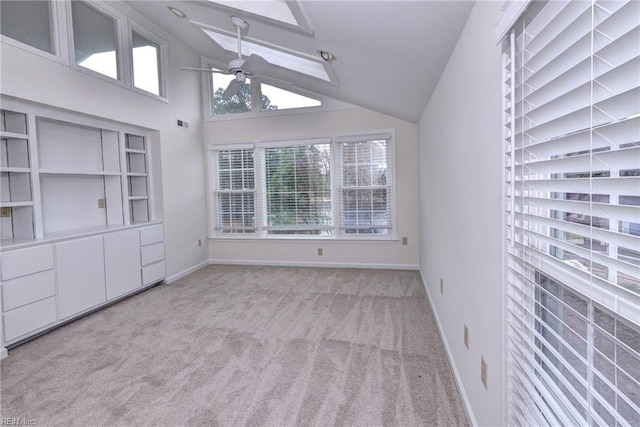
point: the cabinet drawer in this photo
(152, 253)
(27, 289)
(152, 234)
(22, 262)
(28, 318)
(153, 273)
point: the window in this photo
(95, 32)
(298, 190)
(277, 10)
(253, 96)
(274, 98)
(234, 191)
(290, 188)
(365, 185)
(146, 64)
(28, 22)
(572, 193)
(95, 40)
(273, 56)
(241, 102)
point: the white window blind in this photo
(365, 184)
(297, 197)
(233, 200)
(572, 195)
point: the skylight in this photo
(273, 56)
(277, 10)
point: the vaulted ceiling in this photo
(389, 54)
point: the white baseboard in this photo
(454, 369)
(3, 353)
(315, 264)
(186, 272)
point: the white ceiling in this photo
(390, 54)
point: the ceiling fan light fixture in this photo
(177, 12)
(326, 55)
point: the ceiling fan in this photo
(239, 67)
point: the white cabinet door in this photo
(122, 262)
(80, 271)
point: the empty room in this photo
(314, 212)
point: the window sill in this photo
(304, 239)
(326, 106)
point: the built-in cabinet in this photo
(80, 271)
(78, 225)
(122, 262)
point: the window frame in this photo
(124, 79)
(61, 23)
(263, 213)
(163, 61)
(58, 29)
(336, 233)
(371, 136)
(214, 190)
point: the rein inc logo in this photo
(17, 422)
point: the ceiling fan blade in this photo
(232, 89)
(255, 64)
(282, 84)
(205, 70)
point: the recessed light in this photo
(326, 56)
(177, 12)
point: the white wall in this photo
(328, 123)
(31, 77)
(460, 209)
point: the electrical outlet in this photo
(5, 212)
(466, 336)
(320, 252)
(484, 373)
(405, 241)
(199, 242)
(101, 203)
(441, 287)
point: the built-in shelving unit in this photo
(78, 225)
(80, 176)
(16, 195)
(138, 186)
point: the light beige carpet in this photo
(235, 345)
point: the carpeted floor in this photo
(236, 345)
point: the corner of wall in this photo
(445, 342)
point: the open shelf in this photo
(15, 170)
(70, 148)
(135, 143)
(78, 172)
(139, 210)
(17, 222)
(137, 179)
(15, 187)
(131, 150)
(15, 204)
(13, 122)
(16, 194)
